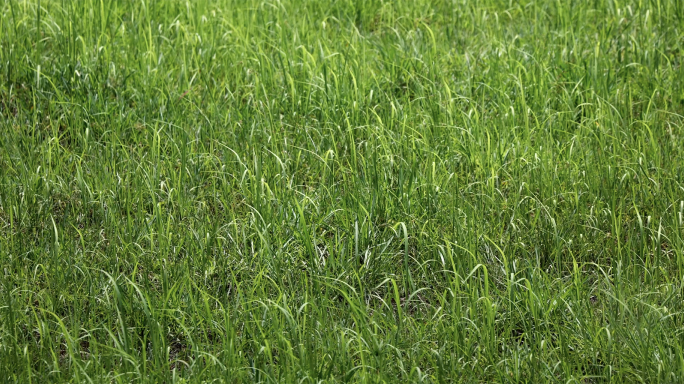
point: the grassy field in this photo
(304, 191)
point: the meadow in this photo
(373, 191)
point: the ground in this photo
(341, 191)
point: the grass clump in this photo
(338, 191)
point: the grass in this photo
(341, 191)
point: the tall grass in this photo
(361, 190)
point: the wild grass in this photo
(341, 191)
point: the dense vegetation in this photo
(358, 190)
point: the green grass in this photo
(342, 191)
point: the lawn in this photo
(305, 191)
